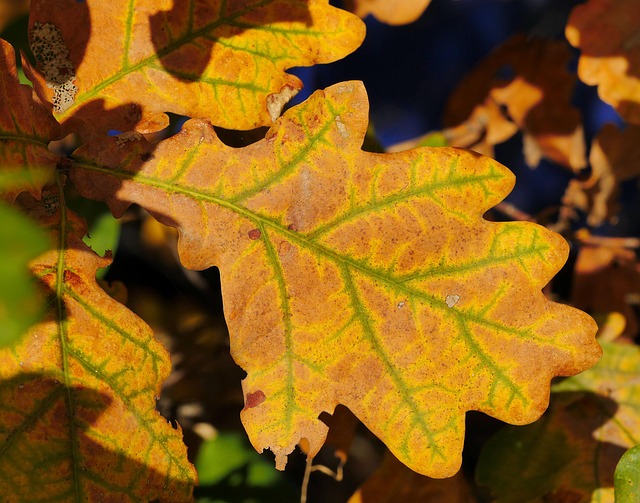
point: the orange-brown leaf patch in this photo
(393, 12)
(374, 281)
(124, 63)
(26, 127)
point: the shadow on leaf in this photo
(185, 35)
(55, 444)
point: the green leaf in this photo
(627, 476)
(231, 471)
(20, 305)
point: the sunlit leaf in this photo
(26, 127)
(606, 32)
(370, 280)
(573, 450)
(77, 393)
(393, 12)
(124, 63)
(523, 85)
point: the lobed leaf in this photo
(364, 279)
(606, 32)
(26, 128)
(126, 62)
(77, 393)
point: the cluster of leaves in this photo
(370, 280)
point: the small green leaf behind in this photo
(20, 305)
(627, 476)
(230, 470)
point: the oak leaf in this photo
(573, 450)
(128, 62)
(26, 128)
(606, 32)
(364, 279)
(523, 85)
(78, 392)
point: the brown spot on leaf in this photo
(254, 234)
(254, 399)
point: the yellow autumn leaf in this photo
(78, 392)
(370, 280)
(26, 128)
(121, 64)
(606, 32)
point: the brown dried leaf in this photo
(607, 32)
(524, 85)
(614, 158)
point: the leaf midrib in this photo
(399, 286)
(62, 336)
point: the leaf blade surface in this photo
(220, 60)
(364, 279)
(78, 391)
